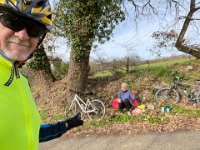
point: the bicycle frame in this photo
(83, 105)
(180, 88)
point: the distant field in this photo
(166, 63)
(107, 73)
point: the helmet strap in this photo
(40, 40)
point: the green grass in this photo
(176, 109)
(105, 73)
(59, 117)
(158, 119)
(123, 118)
(44, 115)
(97, 124)
(167, 63)
(114, 119)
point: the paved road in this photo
(168, 141)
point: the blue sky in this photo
(125, 33)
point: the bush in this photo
(60, 69)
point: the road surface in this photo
(167, 141)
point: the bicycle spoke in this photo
(97, 110)
(167, 95)
(172, 97)
(161, 95)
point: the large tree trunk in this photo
(189, 49)
(77, 76)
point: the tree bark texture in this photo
(77, 76)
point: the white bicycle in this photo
(94, 109)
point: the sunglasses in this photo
(17, 23)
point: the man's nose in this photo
(22, 34)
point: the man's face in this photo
(16, 45)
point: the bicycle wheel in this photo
(97, 109)
(167, 95)
(71, 111)
(198, 98)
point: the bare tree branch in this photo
(150, 7)
(190, 49)
(197, 8)
(195, 19)
(183, 17)
(176, 5)
(136, 8)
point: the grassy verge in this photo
(161, 118)
(176, 109)
(133, 119)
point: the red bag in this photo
(135, 102)
(115, 104)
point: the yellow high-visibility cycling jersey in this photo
(19, 116)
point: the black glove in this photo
(74, 121)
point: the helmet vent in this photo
(27, 2)
(40, 4)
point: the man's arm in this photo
(52, 131)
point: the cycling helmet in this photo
(38, 10)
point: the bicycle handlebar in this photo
(177, 78)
